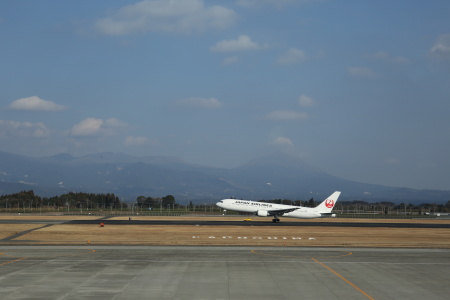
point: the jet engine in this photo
(262, 213)
(327, 215)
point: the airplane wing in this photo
(280, 212)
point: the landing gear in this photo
(275, 220)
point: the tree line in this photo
(28, 199)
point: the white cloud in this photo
(177, 16)
(286, 115)
(304, 100)
(23, 129)
(90, 126)
(361, 72)
(136, 140)
(242, 43)
(97, 127)
(194, 102)
(113, 122)
(292, 56)
(384, 56)
(442, 46)
(283, 142)
(35, 103)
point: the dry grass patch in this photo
(240, 235)
(7, 230)
(227, 235)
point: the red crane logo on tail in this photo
(329, 203)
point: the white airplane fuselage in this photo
(263, 209)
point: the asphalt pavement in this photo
(259, 223)
(151, 272)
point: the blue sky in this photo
(360, 89)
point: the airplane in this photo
(262, 209)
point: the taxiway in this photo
(141, 272)
(259, 223)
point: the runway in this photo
(259, 223)
(149, 272)
(199, 221)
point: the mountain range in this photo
(276, 176)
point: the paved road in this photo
(138, 272)
(284, 222)
(259, 223)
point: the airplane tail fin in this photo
(327, 205)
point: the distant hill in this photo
(270, 177)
